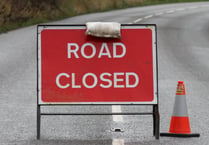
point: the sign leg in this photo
(38, 121)
(156, 122)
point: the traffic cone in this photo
(179, 125)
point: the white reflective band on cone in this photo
(103, 29)
(180, 106)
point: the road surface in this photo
(183, 48)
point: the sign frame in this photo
(152, 27)
(154, 103)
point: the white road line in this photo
(203, 6)
(180, 9)
(193, 7)
(148, 16)
(167, 12)
(170, 11)
(159, 14)
(118, 142)
(138, 20)
(117, 109)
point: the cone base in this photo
(180, 134)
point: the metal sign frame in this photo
(154, 103)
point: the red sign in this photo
(76, 68)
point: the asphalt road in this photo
(183, 48)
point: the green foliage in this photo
(19, 13)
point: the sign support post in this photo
(38, 121)
(156, 122)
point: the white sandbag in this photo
(103, 29)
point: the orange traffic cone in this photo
(179, 125)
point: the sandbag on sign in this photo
(103, 29)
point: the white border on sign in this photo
(154, 50)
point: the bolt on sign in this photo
(74, 68)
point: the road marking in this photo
(118, 142)
(204, 6)
(117, 109)
(170, 11)
(138, 20)
(159, 14)
(148, 16)
(180, 9)
(193, 7)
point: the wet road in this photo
(183, 48)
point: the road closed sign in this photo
(74, 68)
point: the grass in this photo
(69, 8)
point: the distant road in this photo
(183, 49)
